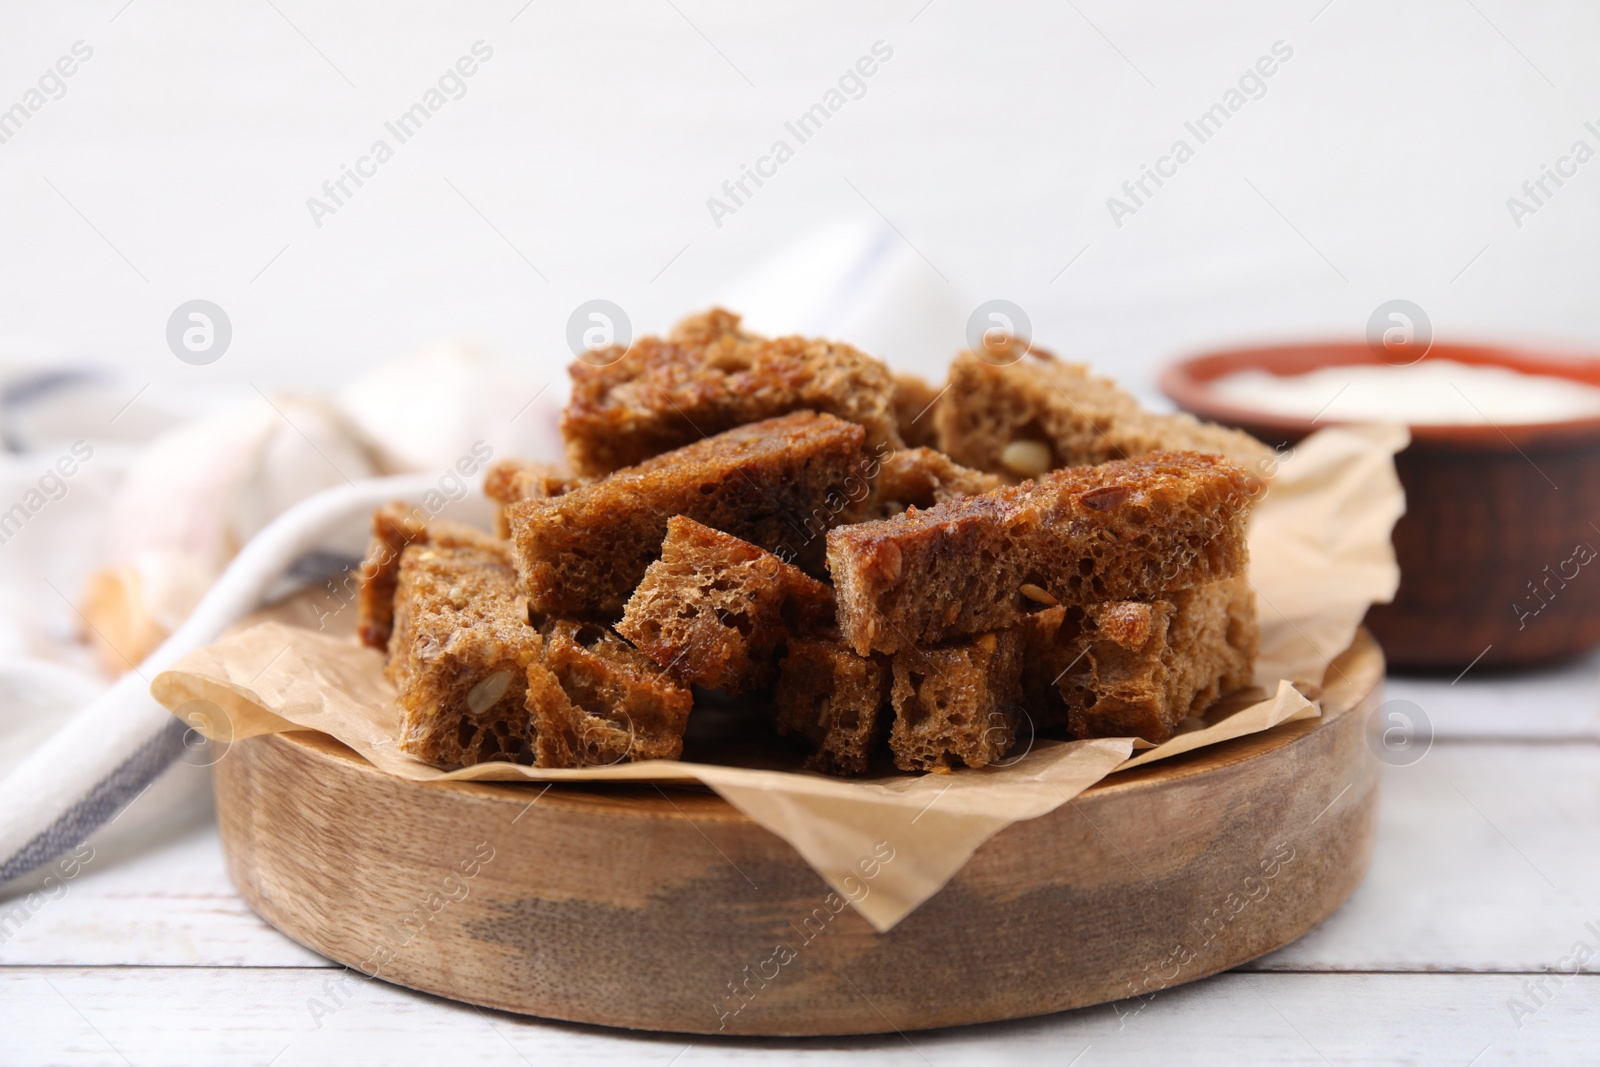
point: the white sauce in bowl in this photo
(1431, 393)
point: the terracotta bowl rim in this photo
(1188, 384)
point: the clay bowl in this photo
(1498, 518)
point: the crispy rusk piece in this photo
(395, 526)
(835, 700)
(918, 478)
(583, 553)
(597, 701)
(915, 402)
(510, 481)
(709, 376)
(1128, 529)
(1024, 414)
(1138, 669)
(1201, 645)
(957, 703)
(715, 610)
(459, 657)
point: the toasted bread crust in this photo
(1006, 396)
(1131, 669)
(595, 701)
(477, 682)
(583, 553)
(918, 478)
(715, 611)
(459, 655)
(710, 376)
(1106, 597)
(835, 700)
(510, 481)
(957, 703)
(1122, 530)
(394, 527)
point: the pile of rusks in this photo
(893, 572)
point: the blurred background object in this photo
(147, 503)
(1502, 479)
(192, 499)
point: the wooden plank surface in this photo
(233, 1016)
(1485, 861)
(153, 893)
(1560, 703)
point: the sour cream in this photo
(1433, 393)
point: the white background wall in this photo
(1381, 158)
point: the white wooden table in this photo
(1485, 879)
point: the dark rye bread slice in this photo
(715, 611)
(459, 657)
(394, 527)
(834, 700)
(1120, 531)
(917, 478)
(1067, 416)
(584, 552)
(511, 481)
(596, 701)
(709, 376)
(958, 703)
(1138, 669)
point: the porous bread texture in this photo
(582, 554)
(1138, 669)
(918, 478)
(596, 701)
(834, 700)
(1128, 529)
(708, 376)
(459, 657)
(394, 527)
(715, 611)
(1013, 393)
(957, 703)
(510, 481)
(477, 682)
(915, 403)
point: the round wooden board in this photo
(662, 909)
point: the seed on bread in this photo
(1026, 459)
(1037, 595)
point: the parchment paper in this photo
(1320, 553)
